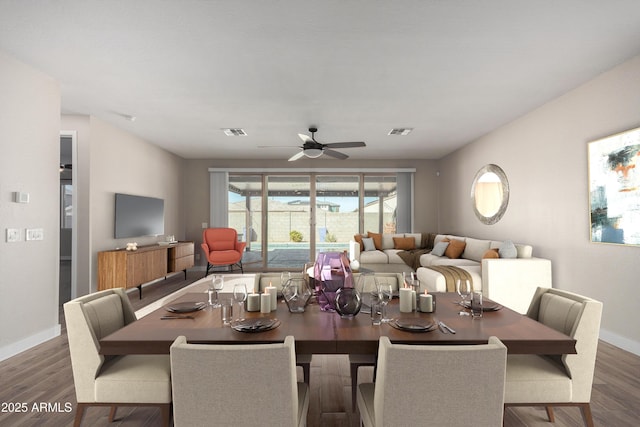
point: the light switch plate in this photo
(35, 234)
(13, 235)
(205, 225)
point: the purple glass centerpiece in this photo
(331, 272)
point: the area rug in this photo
(201, 285)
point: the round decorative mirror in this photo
(490, 194)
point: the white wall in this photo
(111, 161)
(544, 155)
(30, 123)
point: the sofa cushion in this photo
(404, 243)
(377, 239)
(491, 254)
(417, 237)
(475, 249)
(373, 257)
(455, 249)
(392, 255)
(439, 248)
(368, 244)
(457, 262)
(387, 240)
(508, 250)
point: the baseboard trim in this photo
(29, 342)
(620, 341)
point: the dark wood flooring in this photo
(36, 386)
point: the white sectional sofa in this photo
(509, 281)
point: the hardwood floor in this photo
(41, 379)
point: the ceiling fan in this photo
(313, 149)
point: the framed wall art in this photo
(614, 188)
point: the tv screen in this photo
(138, 216)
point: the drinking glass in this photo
(217, 284)
(463, 287)
(240, 296)
(385, 294)
(284, 277)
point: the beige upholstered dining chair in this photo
(564, 380)
(239, 385)
(435, 385)
(133, 380)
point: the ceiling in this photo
(451, 70)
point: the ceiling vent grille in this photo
(234, 132)
(400, 131)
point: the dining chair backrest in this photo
(440, 385)
(239, 385)
(578, 317)
(90, 318)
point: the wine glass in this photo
(240, 296)
(463, 287)
(385, 294)
(216, 285)
(284, 277)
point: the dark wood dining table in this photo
(320, 332)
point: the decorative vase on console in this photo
(331, 273)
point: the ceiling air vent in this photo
(234, 132)
(400, 131)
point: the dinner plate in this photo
(186, 307)
(413, 325)
(255, 325)
(486, 305)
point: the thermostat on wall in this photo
(20, 197)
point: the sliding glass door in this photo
(286, 219)
(289, 215)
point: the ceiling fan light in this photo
(313, 153)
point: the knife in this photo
(176, 317)
(443, 330)
(447, 327)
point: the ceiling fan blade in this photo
(305, 138)
(296, 156)
(335, 154)
(277, 146)
(345, 144)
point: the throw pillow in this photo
(455, 249)
(377, 239)
(404, 243)
(358, 238)
(368, 244)
(508, 250)
(439, 248)
(491, 253)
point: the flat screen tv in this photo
(138, 216)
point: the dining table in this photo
(326, 332)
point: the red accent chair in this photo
(222, 248)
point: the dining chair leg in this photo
(586, 414)
(552, 418)
(165, 411)
(112, 413)
(80, 407)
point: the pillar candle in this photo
(273, 292)
(253, 302)
(426, 303)
(405, 300)
(265, 303)
(413, 300)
